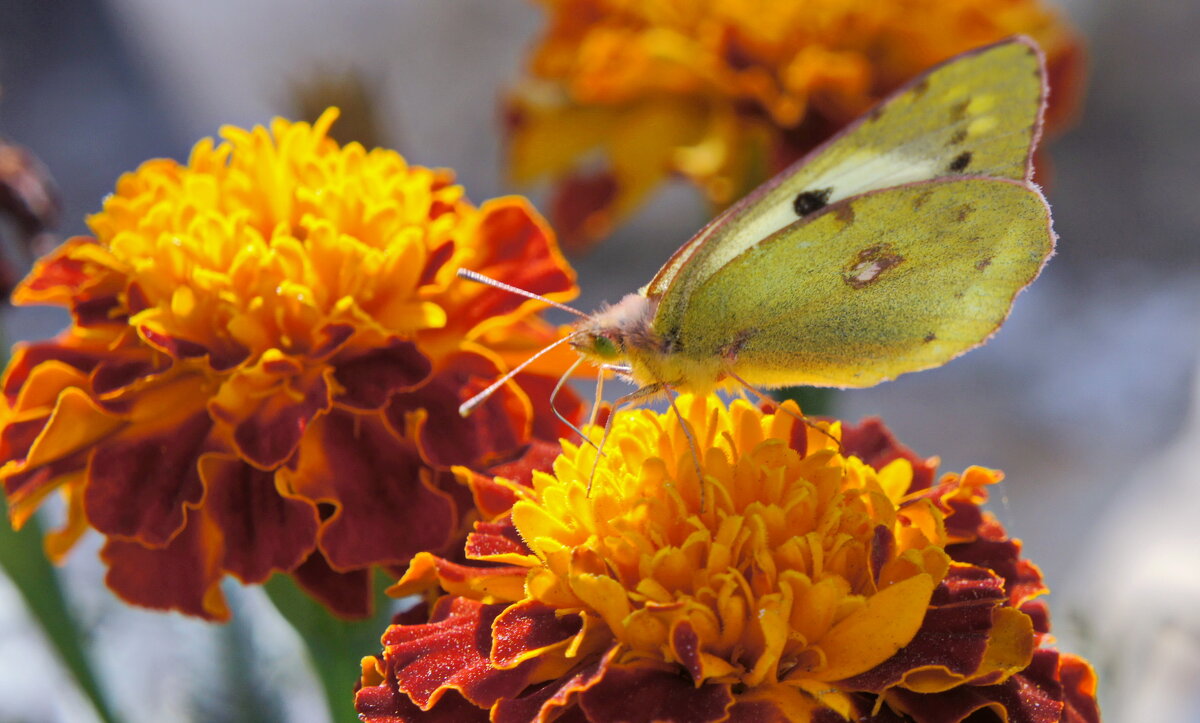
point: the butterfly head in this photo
(603, 345)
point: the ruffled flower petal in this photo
(268, 348)
(814, 579)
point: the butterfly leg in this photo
(554, 395)
(693, 446)
(764, 399)
(637, 394)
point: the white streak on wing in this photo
(861, 172)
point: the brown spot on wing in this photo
(959, 110)
(845, 213)
(962, 212)
(920, 200)
(983, 263)
(929, 337)
(959, 136)
(730, 350)
(870, 264)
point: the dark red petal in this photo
(495, 538)
(437, 257)
(387, 506)
(685, 644)
(1032, 696)
(882, 544)
(519, 251)
(1022, 579)
(451, 652)
(32, 482)
(546, 424)
(263, 530)
(17, 437)
(185, 575)
(113, 374)
(59, 269)
(529, 625)
(368, 381)
(28, 356)
(490, 497)
(874, 444)
(495, 429)
(555, 700)
(641, 692)
(330, 339)
(347, 594)
(220, 358)
(954, 633)
(138, 483)
(965, 518)
(1039, 613)
(384, 704)
(1079, 690)
(267, 435)
(451, 572)
(538, 456)
(582, 209)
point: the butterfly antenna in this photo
(469, 406)
(480, 278)
(775, 403)
(554, 394)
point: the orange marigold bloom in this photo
(268, 349)
(816, 583)
(728, 92)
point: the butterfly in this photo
(895, 246)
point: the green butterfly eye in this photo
(604, 347)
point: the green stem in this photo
(336, 647)
(23, 560)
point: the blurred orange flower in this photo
(268, 349)
(728, 92)
(817, 583)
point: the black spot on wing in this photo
(960, 162)
(959, 136)
(810, 201)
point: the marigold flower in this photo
(812, 585)
(728, 92)
(268, 348)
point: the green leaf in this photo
(336, 647)
(25, 563)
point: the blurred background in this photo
(1086, 399)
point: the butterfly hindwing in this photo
(976, 115)
(852, 298)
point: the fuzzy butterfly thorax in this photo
(623, 334)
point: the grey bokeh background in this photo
(1084, 398)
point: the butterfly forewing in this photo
(977, 115)
(852, 298)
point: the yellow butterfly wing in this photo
(871, 287)
(978, 114)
